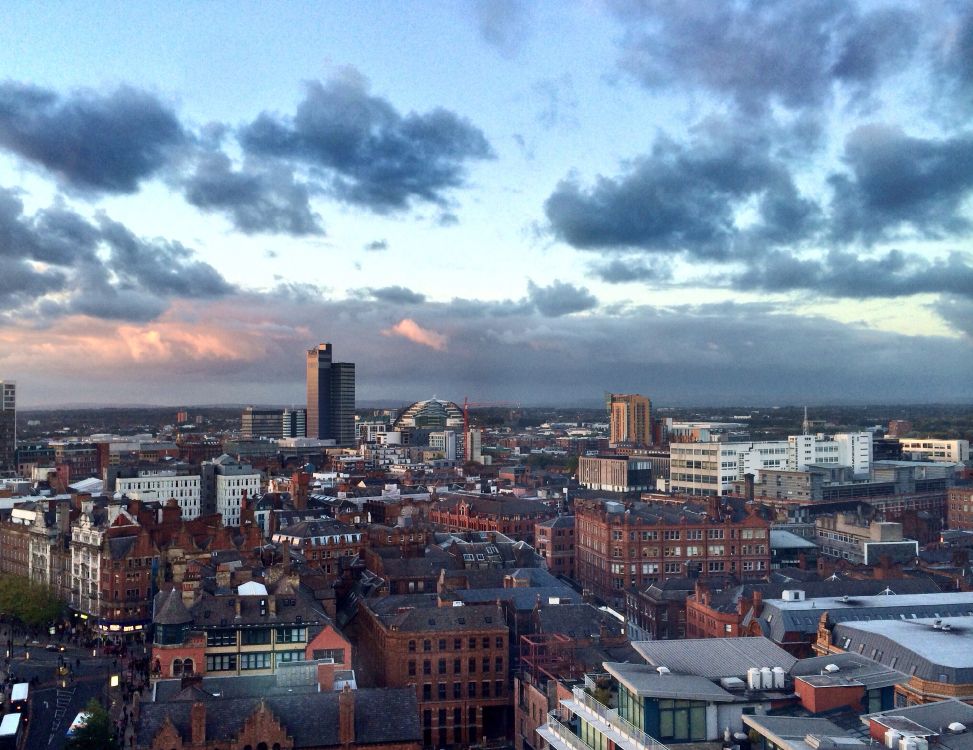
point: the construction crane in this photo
(466, 418)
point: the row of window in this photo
(457, 691)
(457, 666)
(256, 636)
(457, 644)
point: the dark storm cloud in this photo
(92, 141)
(843, 274)
(255, 199)
(503, 23)
(560, 298)
(395, 295)
(621, 271)
(682, 199)
(761, 53)
(372, 155)
(900, 182)
(103, 270)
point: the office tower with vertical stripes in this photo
(330, 397)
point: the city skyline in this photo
(748, 203)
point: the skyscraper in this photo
(330, 397)
(8, 426)
(630, 416)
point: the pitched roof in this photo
(714, 657)
(170, 610)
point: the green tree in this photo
(96, 734)
(32, 603)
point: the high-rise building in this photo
(294, 423)
(630, 416)
(330, 397)
(261, 423)
(8, 426)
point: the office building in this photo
(630, 415)
(261, 423)
(615, 473)
(162, 485)
(294, 423)
(8, 426)
(932, 449)
(330, 397)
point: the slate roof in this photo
(561, 522)
(855, 667)
(170, 610)
(935, 716)
(714, 657)
(781, 539)
(645, 681)
(382, 715)
(779, 617)
(577, 620)
(418, 613)
(915, 646)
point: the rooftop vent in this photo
(957, 728)
(947, 627)
(832, 668)
(844, 599)
(937, 624)
(663, 670)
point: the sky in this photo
(709, 203)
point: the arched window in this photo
(187, 666)
(177, 667)
(262, 746)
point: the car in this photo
(54, 647)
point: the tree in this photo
(30, 602)
(96, 734)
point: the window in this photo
(498, 664)
(412, 647)
(457, 690)
(291, 635)
(499, 641)
(472, 665)
(471, 690)
(255, 660)
(442, 666)
(285, 656)
(427, 645)
(337, 655)
(485, 690)
(221, 638)
(412, 668)
(457, 644)
(486, 663)
(472, 643)
(427, 667)
(221, 663)
(255, 637)
(427, 691)
(441, 692)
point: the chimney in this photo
(748, 490)
(197, 720)
(325, 675)
(272, 601)
(346, 717)
(758, 603)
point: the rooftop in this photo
(714, 657)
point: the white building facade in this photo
(163, 485)
(931, 449)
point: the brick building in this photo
(196, 719)
(323, 544)
(554, 541)
(959, 508)
(622, 546)
(511, 516)
(456, 659)
(250, 630)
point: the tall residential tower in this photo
(630, 416)
(330, 397)
(8, 426)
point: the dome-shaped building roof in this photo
(432, 414)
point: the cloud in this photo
(683, 198)
(395, 295)
(560, 102)
(56, 263)
(761, 54)
(255, 198)
(249, 346)
(371, 155)
(412, 331)
(560, 298)
(842, 274)
(503, 24)
(618, 271)
(98, 142)
(377, 246)
(900, 182)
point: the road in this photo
(54, 704)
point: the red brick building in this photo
(456, 659)
(508, 515)
(554, 541)
(621, 546)
(959, 502)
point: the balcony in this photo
(607, 720)
(558, 736)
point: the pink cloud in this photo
(409, 329)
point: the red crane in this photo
(466, 418)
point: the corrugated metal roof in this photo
(715, 657)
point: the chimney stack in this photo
(346, 716)
(197, 719)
